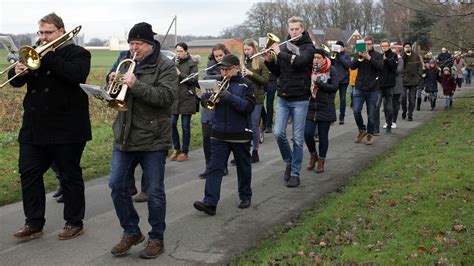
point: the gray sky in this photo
(105, 18)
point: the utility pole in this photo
(175, 18)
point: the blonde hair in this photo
(296, 19)
(255, 60)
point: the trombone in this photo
(31, 57)
(271, 39)
(214, 99)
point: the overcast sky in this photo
(105, 18)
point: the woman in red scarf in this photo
(321, 109)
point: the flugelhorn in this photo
(271, 39)
(117, 89)
(214, 99)
(31, 57)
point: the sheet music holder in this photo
(95, 91)
(208, 85)
(293, 48)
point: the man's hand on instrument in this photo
(129, 79)
(223, 95)
(267, 56)
(276, 48)
(112, 76)
(19, 67)
(366, 55)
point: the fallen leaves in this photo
(459, 228)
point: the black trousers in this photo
(206, 141)
(409, 93)
(34, 161)
(396, 106)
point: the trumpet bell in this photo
(29, 57)
(210, 105)
(118, 105)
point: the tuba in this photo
(214, 99)
(31, 57)
(117, 89)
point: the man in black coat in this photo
(55, 129)
(342, 63)
(369, 65)
(387, 82)
(292, 66)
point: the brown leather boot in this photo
(362, 134)
(313, 158)
(126, 243)
(27, 232)
(320, 167)
(153, 249)
(174, 155)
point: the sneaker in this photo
(60, 199)
(385, 125)
(370, 139)
(182, 157)
(394, 125)
(174, 155)
(286, 175)
(410, 118)
(294, 181)
(388, 130)
(142, 197)
(360, 137)
(153, 249)
(126, 243)
(205, 207)
(27, 232)
(70, 232)
(58, 192)
(341, 122)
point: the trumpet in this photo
(334, 54)
(214, 99)
(360, 57)
(31, 57)
(271, 39)
(117, 89)
(191, 76)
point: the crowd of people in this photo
(306, 79)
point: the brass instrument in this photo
(31, 57)
(214, 99)
(191, 76)
(271, 39)
(360, 57)
(325, 48)
(117, 89)
(408, 53)
(333, 54)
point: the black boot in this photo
(418, 104)
(255, 158)
(286, 176)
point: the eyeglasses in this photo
(227, 69)
(46, 32)
(368, 43)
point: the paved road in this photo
(191, 236)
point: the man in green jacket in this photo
(143, 136)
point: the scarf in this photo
(321, 72)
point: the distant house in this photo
(205, 46)
(330, 36)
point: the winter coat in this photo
(146, 125)
(369, 71)
(56, 109)
(448, 83)
(469, 62)
(398, 89)
(259, 79)
(458, 66)
(342, 62)
(322, 108)
(388, 78)
(444, 60)
(431, 80)
(232, 116)
(412, 69)
(185, 99)
(294, 71)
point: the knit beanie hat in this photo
(321, 52)
(142, 32)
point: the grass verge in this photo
(413, 205)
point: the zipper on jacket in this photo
(122, 133)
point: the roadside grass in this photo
(413, 205)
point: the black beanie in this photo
(407, 43)
(321, 52)
(340, 43)
(141, 32)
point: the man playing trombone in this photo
(55, 128)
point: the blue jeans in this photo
(370, 99)
(186, 127)
(220, 151)
(323, 129)
(468, 75)
(351, 94)
(297, 110)
(256, 126)
(448, 100)
(342, 101)
(271, 89)
(432, 97)
(122, 168)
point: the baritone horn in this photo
(214, 99)
(117, 89)
(31, 57)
